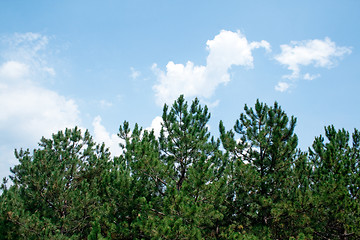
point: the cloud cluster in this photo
(229, 49)
(26, 106)
(28, 110)
(225, 50)
(317, 53)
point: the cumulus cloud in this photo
(227, 49)
(29, 110)
(26, 106)
(317, 53)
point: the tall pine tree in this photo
(263, 153)
(179, 174)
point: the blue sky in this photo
(97, 63)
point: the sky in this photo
(95, 64)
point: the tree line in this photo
(253, 182)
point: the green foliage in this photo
(335, 184)
(262, 171)
(178, 174)
(55, 190)
(185, 184)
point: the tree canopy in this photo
(253, 182)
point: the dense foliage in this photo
(252, 183)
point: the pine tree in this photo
(55, 190)
(196, 166)
(261, 169)
(185, 185)
(179, 174)
(335, 184)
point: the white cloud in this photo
(156, 125)
(102, 136)
(211, 104)
(26, 106)
(29, 110)
(225, 50)
(36, 40)
(134, 74)
(307, 76)
(27, 45)
(13, 70)
(31, 50)
(32, 112)
(282, 86)
(181, 79)
(319, 53)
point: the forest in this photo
(252, 182)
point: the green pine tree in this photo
(335, 184)
(263, 155)
(185, 185)
(55, 190)
(179, 175)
